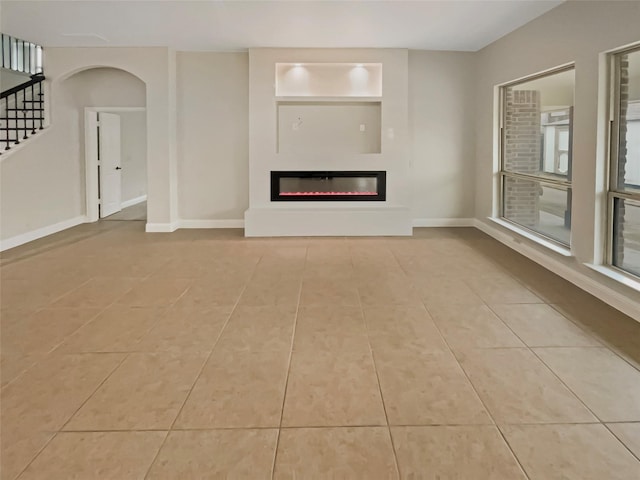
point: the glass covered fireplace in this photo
(340, 186)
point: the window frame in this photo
(613, 190)
(556, 181)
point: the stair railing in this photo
(21, 111)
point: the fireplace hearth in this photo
(309, 186)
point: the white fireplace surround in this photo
(315, 79)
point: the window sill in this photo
(564, 251)
(616, 275)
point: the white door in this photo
(110, 170)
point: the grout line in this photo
(506, 441)
(155, 457)
(555, 346)
(533, 352)
(36, 455)
(484, 405)
(286, 382)
(204, 364)
(375, 370)
(321, 427)
(565, 385)
(61, 429)
(68, 292)
(115, 430)
(100, 311)
(125, 356)
(2, 387)
(636, 456)
(67, 337)
(600, 421)
(604, 343)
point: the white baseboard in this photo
(417, 222)
(616, 299)
(40, 233)
(161, 227)
(133, 201)
(230, 223)
(239, 223)
(444, 222)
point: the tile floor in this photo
(202, 354)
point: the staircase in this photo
(22, 107)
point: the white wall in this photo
(133, 143)
(573, 32)
(27, 169)
(43, 183)
(213, 135)
(328, 127)
(156, 68)
(442, 126)
(10, 79)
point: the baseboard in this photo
(417, 222)
(611, 297)
(231, 223)
(161, 227)
(40, 233)
(133, 201)
(444, 222)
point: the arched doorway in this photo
(114, 147)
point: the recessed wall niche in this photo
(328, 79)
(329, 107)
(329, 127)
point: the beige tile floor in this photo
(202, 354)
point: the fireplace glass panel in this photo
(329, 186)
(309, 186)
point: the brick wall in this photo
(522, 141)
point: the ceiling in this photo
(237, 24)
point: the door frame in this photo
(91, 156)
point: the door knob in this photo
(118, 168)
